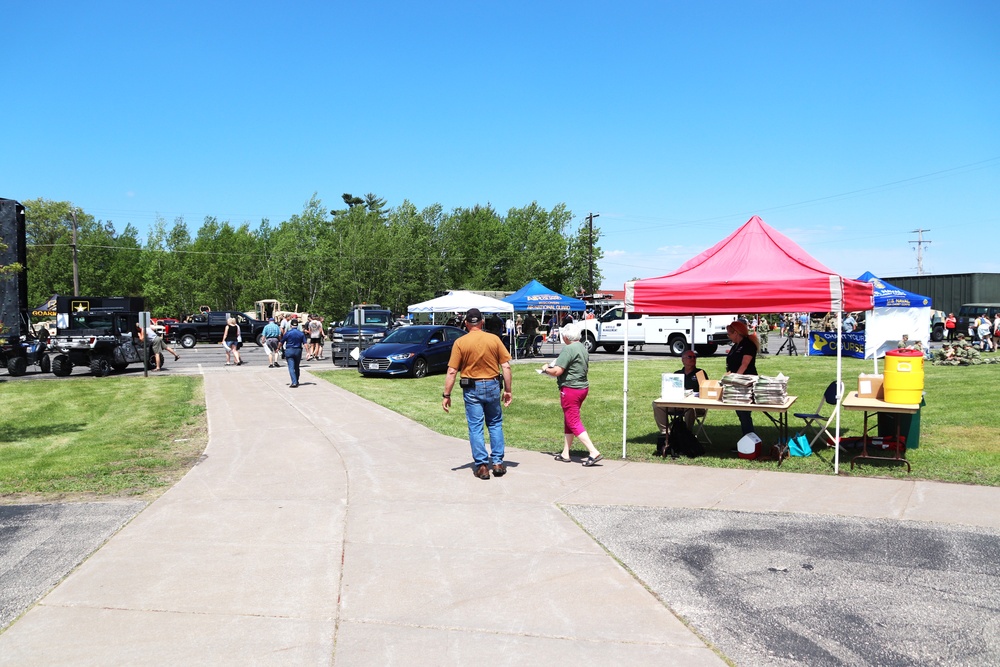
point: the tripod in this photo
(790, 344)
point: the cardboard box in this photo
(870, 386)
(710, 390)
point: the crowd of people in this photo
(283, 339)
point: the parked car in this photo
(415, 351)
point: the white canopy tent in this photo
(460, 301)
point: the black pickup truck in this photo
(209, 328)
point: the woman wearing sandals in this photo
(570, 371)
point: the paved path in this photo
(323, 529)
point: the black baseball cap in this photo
(473, 316)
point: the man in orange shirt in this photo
(484, 364)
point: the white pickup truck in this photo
(608, 331)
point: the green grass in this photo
(959, 437)
(88, 437)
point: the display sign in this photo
(825, 343)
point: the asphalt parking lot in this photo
(797, 589)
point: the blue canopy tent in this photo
(896, 313)
(536, 296)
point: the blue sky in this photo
(844, 125)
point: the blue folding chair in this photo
(816, 422)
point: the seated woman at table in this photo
(662, 415)
(742, 359)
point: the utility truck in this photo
(674, 331)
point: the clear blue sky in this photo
(845, 125)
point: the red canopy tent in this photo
(755, 269)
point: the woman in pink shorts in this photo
(570, 371)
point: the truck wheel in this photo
(45, 363)
(100, 366)
(261, 340)
(188, 341)
(419, 367)
(62, 366)
(17, 366)
(151, 362)
(937, 335)
(677, 345)
(119, 366)
(706, 350)
(589, 343)
(612, 347)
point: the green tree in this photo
(538, 246)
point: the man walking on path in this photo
(294, 341)
(484, 364)
(272, 334)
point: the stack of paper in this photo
(738, 388)
(770, 390)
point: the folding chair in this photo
(699, 426)
(813, 420)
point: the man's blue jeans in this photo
(293, 359)
(482, 406)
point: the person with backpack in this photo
(692, 376)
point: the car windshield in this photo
(406, 335)
(369, 319)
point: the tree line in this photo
(320, 260)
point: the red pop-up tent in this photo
(755, 269)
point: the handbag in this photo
(799, 445)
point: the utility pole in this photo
(76, 268)
(590, 228)
(920, 249)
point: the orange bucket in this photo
(904, 376)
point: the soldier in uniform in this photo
(762, 330)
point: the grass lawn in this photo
(959, 438)
(73, 439)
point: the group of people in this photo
(480, 363)
(286, 337)
(986, 330)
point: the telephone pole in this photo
(920, 249)
(590, 228)
(76, 268)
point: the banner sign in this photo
(824, 343)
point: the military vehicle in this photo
(98, 332)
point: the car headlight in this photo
(403, 356)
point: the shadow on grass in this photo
(17, 433)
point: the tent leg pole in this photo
(840, 386)
(625, 393)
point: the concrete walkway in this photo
(322, 529)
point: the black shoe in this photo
(293, 386)
(499, 470)
(481, 471)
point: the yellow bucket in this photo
(904, 376)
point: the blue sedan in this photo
(415, 351)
